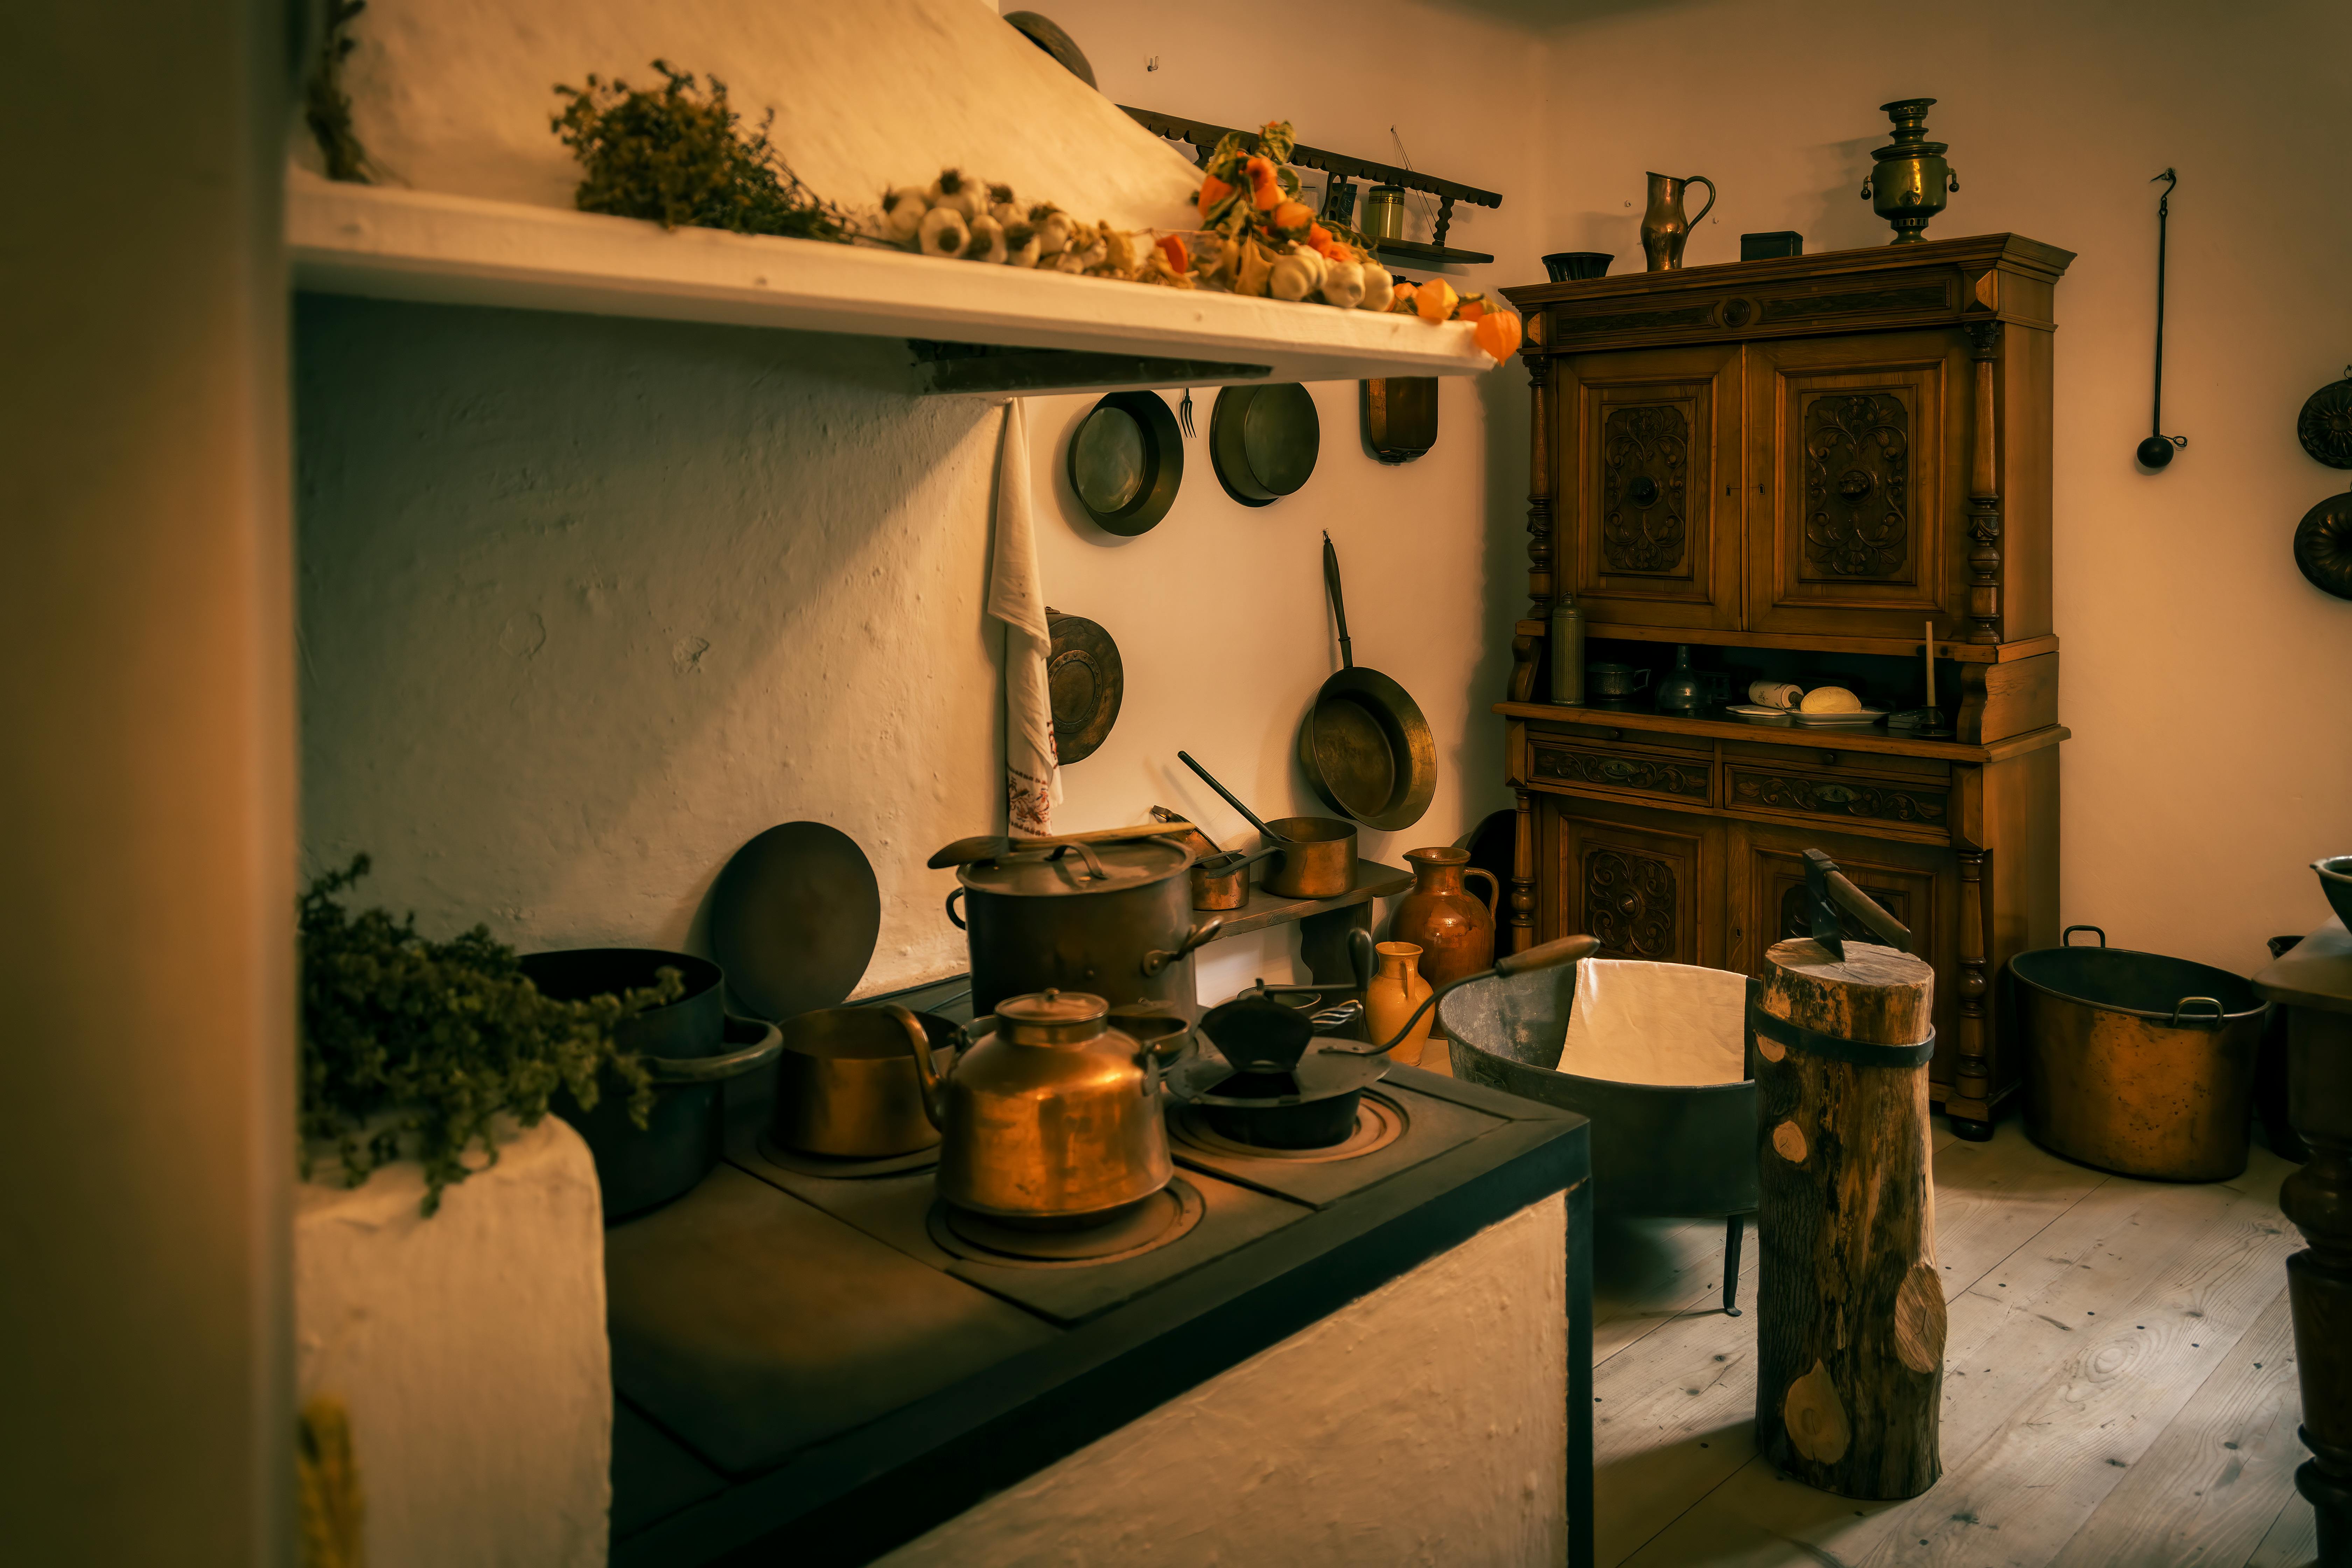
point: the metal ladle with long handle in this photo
(1231, 799)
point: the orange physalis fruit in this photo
(1499, 333)
(1436, 300)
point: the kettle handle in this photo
(927, 1072)
(1495, 896)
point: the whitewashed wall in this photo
(586, 604)
(2203, 678)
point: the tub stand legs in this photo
(1737, 1224)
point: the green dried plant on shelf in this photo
(679, 157)
(416, 1046)
(327, 108)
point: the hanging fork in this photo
(1184, 414)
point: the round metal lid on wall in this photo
(1125, 462)
(2325, 425)
(1263, 440)
(1086, 682)
(2322, 545)
(1047, 36)
(794, 919)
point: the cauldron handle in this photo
(2200, 1021)
(2070, 931)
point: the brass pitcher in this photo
(1664, 230)
(1053, 1116)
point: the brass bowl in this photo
(2335, 881)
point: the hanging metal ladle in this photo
(2156, 451)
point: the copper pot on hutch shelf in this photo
(1393, 1001)
(1453, 928)
(1051, 1117)
(1664, 230)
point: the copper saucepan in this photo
(1317, 859)
(846, 1085)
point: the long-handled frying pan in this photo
(1365, 746)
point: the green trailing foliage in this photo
(418, 1047)
(327, 108)
(679, 157)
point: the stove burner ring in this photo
(835, 1168)
(1379, 1121)
(1167, 1216)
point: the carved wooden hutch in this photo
(1794, 465)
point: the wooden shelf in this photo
(1815, 737)
(1412, 250)
(1373, 880)
(1073, 333)
(1813, 642)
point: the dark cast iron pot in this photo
(689, 1047)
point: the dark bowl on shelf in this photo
(2335, 881)
(1575, 266)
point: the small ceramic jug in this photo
(1664, 230)
(1454, 927)
(1396, 990)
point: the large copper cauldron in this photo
(2137, 1063)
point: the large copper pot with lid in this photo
(1052, 1116)
(1113, 920)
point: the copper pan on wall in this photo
(1365, 745)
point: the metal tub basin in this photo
(1657, 1149)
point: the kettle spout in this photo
(935, 1094)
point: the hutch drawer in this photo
(1847, 796)
(1683, 777)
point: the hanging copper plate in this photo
(1125, 462)
(2322, 545)
(1085, 680)
(2325, 425)
(1263, 441)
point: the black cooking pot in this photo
(689, 1046)
(1113, 920)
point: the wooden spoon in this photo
(988, 847)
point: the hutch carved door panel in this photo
(1649, 884)
(1857, 498)
(1655, 476)
(1917, 884)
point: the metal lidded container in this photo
(2137, 1063)
(1113, 920)
(1384, 213)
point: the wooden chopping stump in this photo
(1850, 1306)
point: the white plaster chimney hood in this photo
(453, 98)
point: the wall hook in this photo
(2157, 451)
(1154, 65)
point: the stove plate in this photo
(1379, 1121)
(1165, 1216)
(1434, 1122)
(838, 1170)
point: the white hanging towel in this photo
(1657, 1023)
(1016, 596)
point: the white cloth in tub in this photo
(1635, 1022)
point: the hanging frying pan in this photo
(1263, 441)
(1365, 746)
(1125, 462)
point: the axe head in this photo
(1821, 910)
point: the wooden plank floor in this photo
(2119, 1384)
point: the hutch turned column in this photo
(1795, 465)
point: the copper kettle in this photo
(1053, 1115)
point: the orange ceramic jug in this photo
(1397, 989)
(1453, 928)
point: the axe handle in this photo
(1866, 909)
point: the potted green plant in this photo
(417, 1048)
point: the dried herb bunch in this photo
(422, 1045)
(677, 156)
(327, 108)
